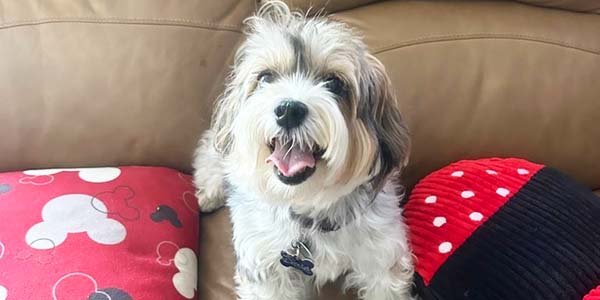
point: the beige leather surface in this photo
(111, 82)
(216, 259)
(327, 5)
(225, 14)
(480, 79)
(592, 6)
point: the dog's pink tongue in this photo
(291, 161)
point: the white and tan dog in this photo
(303, 143)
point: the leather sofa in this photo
(96, 83)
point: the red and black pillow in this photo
(504, 229)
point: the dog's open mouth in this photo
(293, 164)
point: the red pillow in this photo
(98, 234)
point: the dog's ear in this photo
(228, 105)
(386, 120)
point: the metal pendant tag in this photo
(298, 260)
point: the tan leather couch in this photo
(89, 83)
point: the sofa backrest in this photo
(111, 82)
(491, 78)
(589, 6)
(89, 83)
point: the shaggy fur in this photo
(362, 140)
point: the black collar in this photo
(324, 225)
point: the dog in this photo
(303, 148)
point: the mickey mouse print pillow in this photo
(98, 233)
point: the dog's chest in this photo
(275, 233)
(330, 257)
(329, 253)
(262, 232)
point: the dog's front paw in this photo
(209, 176)
(210, 198)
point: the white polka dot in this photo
(457, 174)
(502, 192)
(491, 172)
(431, 199)
(467, 194)
(3, 292)
(439, 221)
(445, 247)
(476, 216)
(522, 171)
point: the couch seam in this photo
(127, 21)
(593, 10)
(499, 36)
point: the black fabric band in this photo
(544, 243)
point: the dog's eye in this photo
(334, 84)
(265, 77)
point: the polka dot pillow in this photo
(98, 234)
(504, 229)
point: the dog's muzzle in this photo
(293, 162)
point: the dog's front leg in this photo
(273, 284)
(382, 268)
(209, 176)
(391, 284)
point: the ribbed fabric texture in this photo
(539, 240)
(447, 206)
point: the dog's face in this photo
(308, 114)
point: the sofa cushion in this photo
(124, 233)
(491, 78)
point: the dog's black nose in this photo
(290, 113)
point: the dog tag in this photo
(298, 260)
